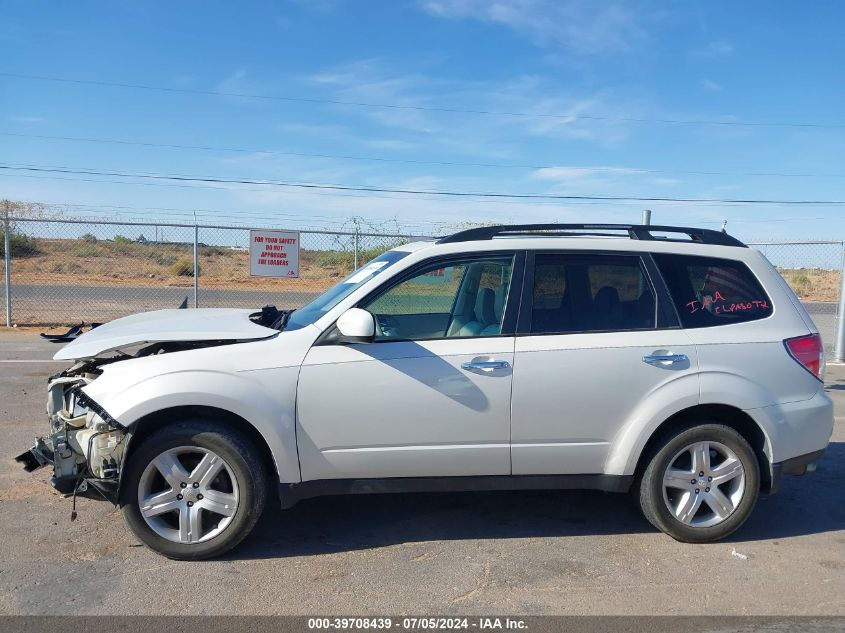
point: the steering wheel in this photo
(387, 326)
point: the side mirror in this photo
(356, 326)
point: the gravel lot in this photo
(520, 553)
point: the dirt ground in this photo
(473, 553)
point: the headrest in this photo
(501, 295)
(607, 297)
(485, 306)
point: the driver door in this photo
(430, 396)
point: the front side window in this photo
(337, 293)
(710, 291)
(449, 299)
(590, 293)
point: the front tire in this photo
(700, 484)
(193, 490)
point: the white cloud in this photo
(714, 48)
(665, 181)
(25, 119)
(583, 27)
(431, 214)
(710, 85)
(601, 179)
(579, 174)
(323, 6)
(389, 143)
(551, 111)
(237, 83)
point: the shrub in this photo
(326, 259)
(164, 259)
(88, 238)
(21, 245)
(183, 268)
(88, 249)
(214, 251)
(366, 254)
(800, 283)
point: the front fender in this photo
(265, 398)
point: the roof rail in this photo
(635, 232)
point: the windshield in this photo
(337, 293)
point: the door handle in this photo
(665, 359)
(486, 365)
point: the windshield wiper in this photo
(282, 320)
(271, 317)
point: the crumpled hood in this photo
(206, 324)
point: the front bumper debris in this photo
(85, 444)
(38, 456)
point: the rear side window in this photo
(590, 293)
(709, 291)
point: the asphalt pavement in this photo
(471, 553)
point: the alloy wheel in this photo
(703, 484)
(188, 494)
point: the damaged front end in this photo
(85, 445)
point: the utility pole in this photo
(839, 341)
(355, 245)
(7, 256)
(646, 216)
(196, 262)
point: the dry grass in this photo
(127, 263)
(123, 262)
(813, 284)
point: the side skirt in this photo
(290, 494)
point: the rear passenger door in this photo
(596, 338)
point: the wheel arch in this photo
(148, 424)
(730, 416)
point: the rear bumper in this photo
(800, 465)
(796, 429)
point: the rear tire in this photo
(193, 490)
(700, 484)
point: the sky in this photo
(716, 100)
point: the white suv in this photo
(671, 362)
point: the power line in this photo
(409, 160)
(248, 214)
(459, 194)
(341, 222)
(395, 106)
(309, 192)
(522, 203)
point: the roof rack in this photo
(635, 232)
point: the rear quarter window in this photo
(709, 291)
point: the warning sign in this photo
(273, 253)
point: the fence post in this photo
(196, 265)
(839, 343)
(646, 216)
(7, 256)
(355, 248)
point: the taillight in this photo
(809, 352)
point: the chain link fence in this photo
(63, 272)
(813, 268)
(69, 271)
